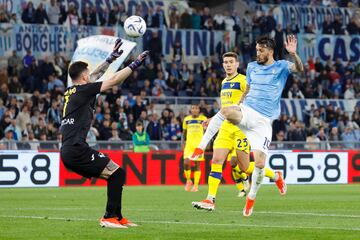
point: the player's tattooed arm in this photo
(298, 65)
(291, 46)
(245, 93)
(99, 71)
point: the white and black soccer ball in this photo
(135, 26)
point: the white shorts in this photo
(257, 129)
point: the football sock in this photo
(197, 175)
(236, 173)
(257, 177)
(214, 180)
(250, 168)
(212, 129)
(270, 174)
(114, 193)
(187, 174)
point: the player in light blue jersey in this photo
(266, 79)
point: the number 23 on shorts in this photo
(242, 143)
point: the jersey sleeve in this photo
(184, 126)
(243, 84)
(91, 89)
(248, 70)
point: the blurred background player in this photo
(193, 131)
(266, 79)
(78, 111)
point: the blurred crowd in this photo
(320, 125)
(317, 3)
(36, 115)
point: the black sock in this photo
(114, 193)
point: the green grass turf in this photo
(307, 212)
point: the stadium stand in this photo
(158, 94)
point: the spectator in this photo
(14, 64)
(41, 15)
(149, 18)
(138, 107)
(349, 137)
(353, 28)
(280, 138)
(154, 129)
(158, 18)
(155, 47)
(295, 92)
(15, 85)
(8, 142)
(338, 26)
(54, 12)
(3, 17)
(160, 81)
(28, 59)
(114, 15)
(174, 19)
(190, 86)
(173, 130)
(349, 92)
(319, 67)
(123, 15)
(327, 26)
(297, 133)
(73, 16)
(312, 142)
(89, 17)
(195, 19)
(105, 130)
(218, 21)
(173, 85)
(33, 142)
(141, 139)
(185, 20)
(177, 53)
(23, 118)
(103, 16)
(15, 128)
(270, 22)
(63, 13)
(28, 15)
(55, 84)
(53, 114)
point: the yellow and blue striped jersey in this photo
(194, 129)
(232, 90)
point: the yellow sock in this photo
(214, 179)
(269, 173)
(197, 175)
(187, 174)
(236, 172)
(250, 168)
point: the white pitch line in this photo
(189, 223)
(224, 211)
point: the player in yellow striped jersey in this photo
(193, 131)
(230, 137)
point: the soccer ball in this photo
(135, 26)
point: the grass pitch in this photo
(306, 212)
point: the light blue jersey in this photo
(266, 85)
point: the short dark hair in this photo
(76, 69)
(231, 54)
(266, 42)
(139, 123)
